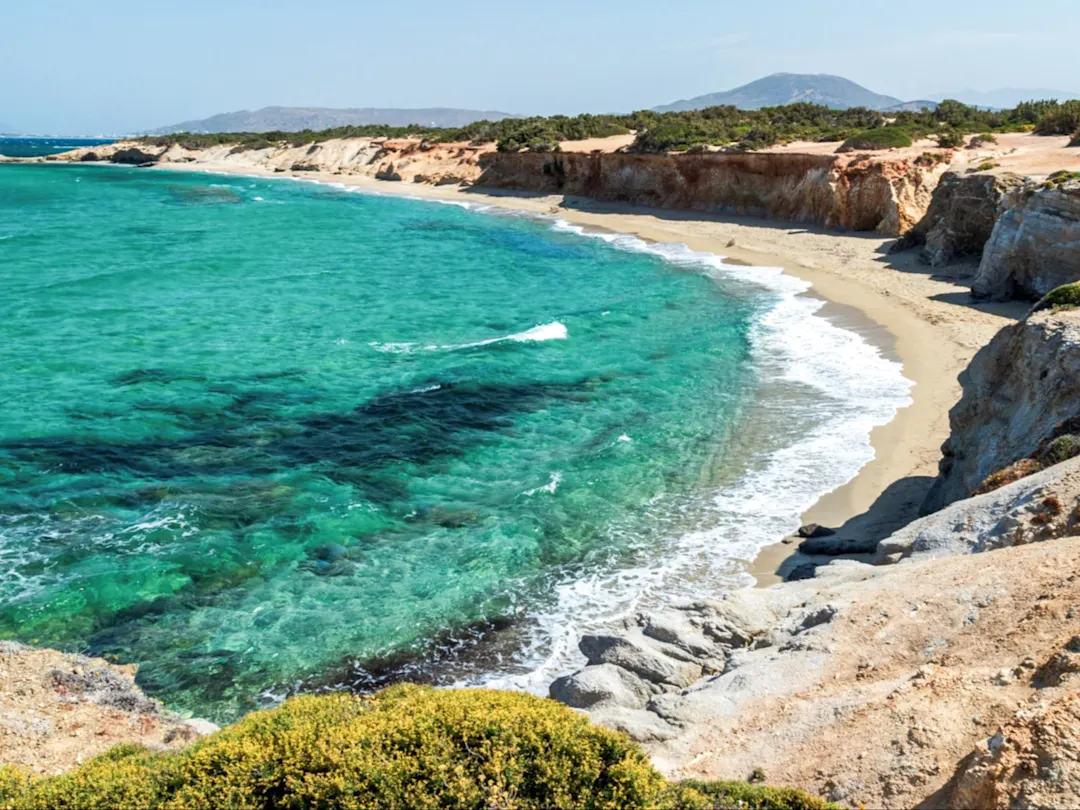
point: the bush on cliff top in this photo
(950, 139)
(880, 138)
(1062, 444)
(405, 747)
(1065, 296)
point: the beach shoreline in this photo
(926, 322)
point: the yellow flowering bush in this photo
(405, 747)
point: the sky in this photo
(114, 66)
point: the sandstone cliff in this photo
(851, 192)
(961, 217)
(1016, 391)
(1034, 246)
(404, 160)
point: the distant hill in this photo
(787, 88)
(1007, 97)
(7, 130)
(294, 119)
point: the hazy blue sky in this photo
(115, 66)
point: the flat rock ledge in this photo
(880, 685)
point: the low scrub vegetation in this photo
(1075, 141)
(1062, 444)
(950, 139)
(982, 139)
(1060, 178)
(1060, 119)
(1067, 296)
(405, 747)
(881, 138)
(723, 126)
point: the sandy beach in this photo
(929, 322)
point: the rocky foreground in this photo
(944, 676)
(57, 710)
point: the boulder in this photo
(813, 530)
(133, 156)
(1016, 391)
(387, 172)
(1035, 244)
(1038, 507)
(640, 659)
(960, 218)
(602, 685)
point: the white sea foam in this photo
(538, 334)
(856, 388)
(550, 487)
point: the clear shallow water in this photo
(259, 433)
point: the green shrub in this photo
(880, 138)
(931, 159)
(1065, 296)
(985, 167)
(731, 795)
(405, 747)
(1075, 139)
(982, 139)
(950, 139)
(1060, 449)
(1010, 475)
(1060, 119)
(1060, 178)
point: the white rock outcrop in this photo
(1035, 244)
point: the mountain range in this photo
(294, 119)
(840, 93)
(789, 88)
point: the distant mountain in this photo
(7, 130)
(1007, 97)
(788, 88)
(294, 119)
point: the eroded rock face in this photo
(856, 193)
(1035, 245)
(1032, 762)
(960, 218)
(1040, 507)
(1016, 390)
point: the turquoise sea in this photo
(261, 435)
(36, 147)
